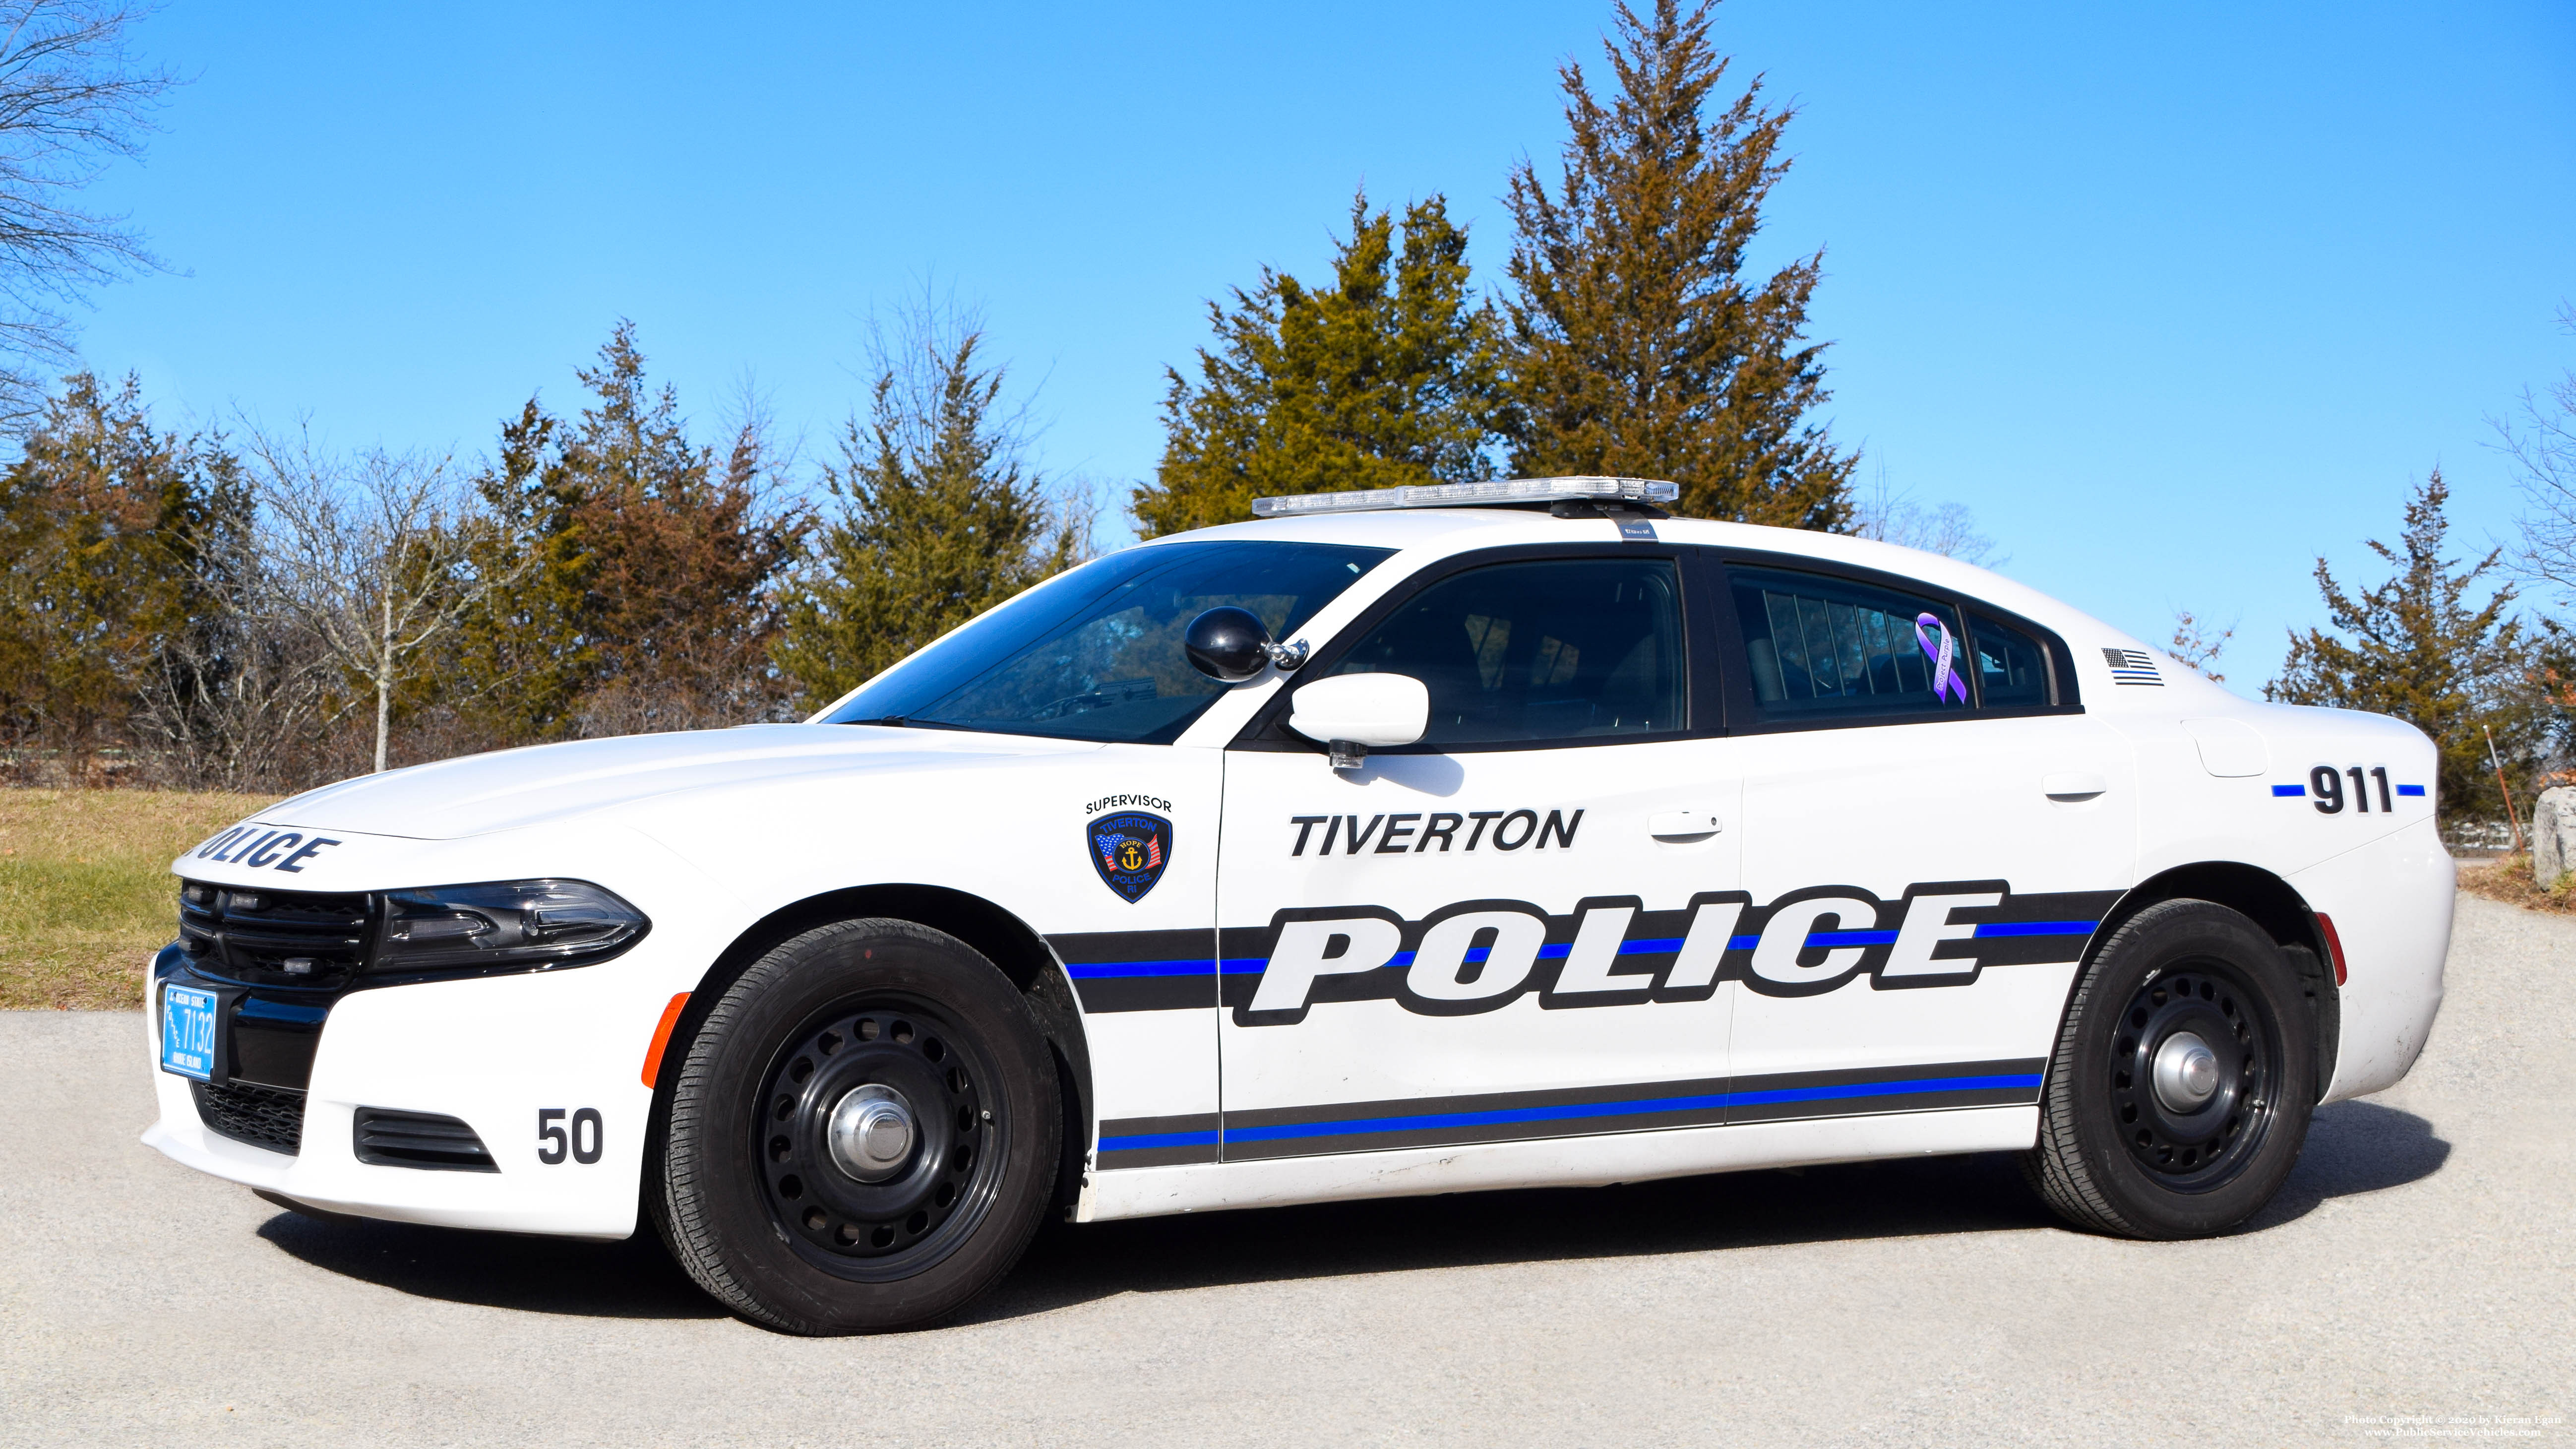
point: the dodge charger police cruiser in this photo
(1412, 841)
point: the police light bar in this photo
(1460, 495)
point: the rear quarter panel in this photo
(2381, 875)
(2391, 903)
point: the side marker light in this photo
(671, 1018)
(2334, 944)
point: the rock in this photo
(2553, 835)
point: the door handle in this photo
(2073, 785)
(1682, 826)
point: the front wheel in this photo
(2179, 1094)
(863, 1134)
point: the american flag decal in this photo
(2132, 666)
(1153, 854)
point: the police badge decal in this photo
(1130, 849)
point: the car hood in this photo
(510, 789)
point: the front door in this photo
(1512, 930)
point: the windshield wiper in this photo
(907, 722)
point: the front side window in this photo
(1546, 650)
(1096, 654)
(1823, 648)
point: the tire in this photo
(924, 1190)
(2198, 1147)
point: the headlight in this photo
(520, 925)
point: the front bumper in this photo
(511, 1056)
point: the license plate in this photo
(188, 1032)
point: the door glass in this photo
(1826, 647)
(1553, 649)
(2012, 670)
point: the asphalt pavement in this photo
(2413, 1281)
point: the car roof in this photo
(1433, 533)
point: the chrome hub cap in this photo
(871, 1133)
(2186, 1072)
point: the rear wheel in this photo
(2182, 1083)
(863, 1134)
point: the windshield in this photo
(1096, 654)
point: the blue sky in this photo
(2175, 301)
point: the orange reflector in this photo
(671, 1018)
(2334, 944)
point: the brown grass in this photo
(86, 894)
(2508, 879)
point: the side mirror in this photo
(1227, 644)
(1351, 712)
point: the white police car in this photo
(1555, 842)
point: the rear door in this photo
(1512, 930)
(1930, 849)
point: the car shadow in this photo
(632, 1279)
(2353, 1148)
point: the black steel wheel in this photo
(2193, 1075)
(863, 1135)
(880, 1156)
(2179, 1094)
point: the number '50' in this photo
(583, 1144)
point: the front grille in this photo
(420, 1139)
(270, 1117)
(275, 938)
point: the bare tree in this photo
(72, 100)
(2543, 450)
(377, 556)
(2197, 642)
(1946, 529)
(237, 694)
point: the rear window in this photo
(2012, 667)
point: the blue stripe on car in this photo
(1253, 965)
(1432, 1121)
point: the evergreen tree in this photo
(112, 537)
(2417, 650)
(647, 601)
(1638, 347)
(527, 654)
(940, 516)
(1387, 377)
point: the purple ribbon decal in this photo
(1944, 679)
